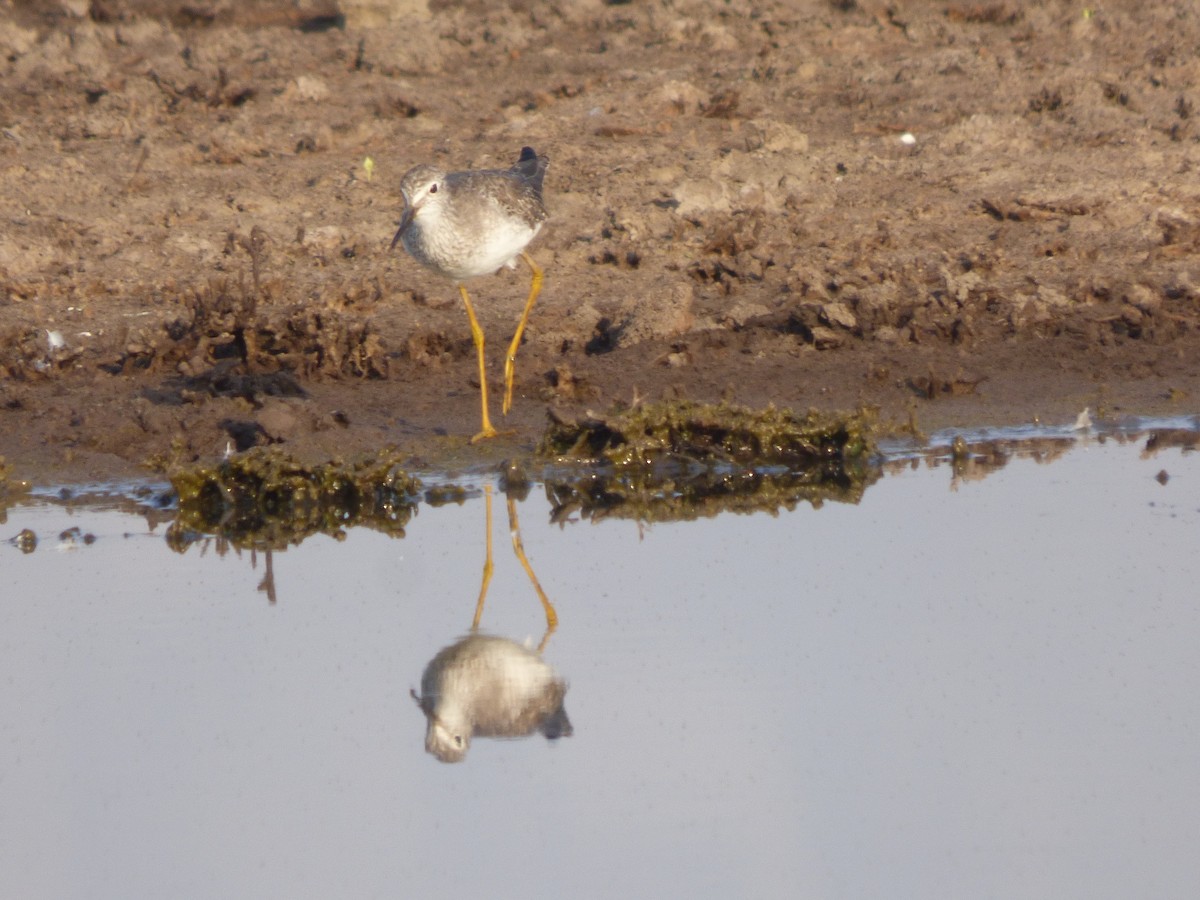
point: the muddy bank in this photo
(958, 213)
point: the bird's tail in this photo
(532, 168)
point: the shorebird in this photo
(466, 224)
(490, 686)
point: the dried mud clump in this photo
(240, 321)
(266, 499)
(34, 354)
(224, 322)
(676, 461)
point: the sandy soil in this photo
(963, 212)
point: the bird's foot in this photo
(488, 432)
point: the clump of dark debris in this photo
(246, 321)
(705, 433)
(266, 499)
(674, 461)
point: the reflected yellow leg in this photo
(514, 528)
(510, 361)
(487, 562)
(477, 336)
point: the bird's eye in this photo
(458, 740)
(433, 189)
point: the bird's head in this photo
(447, 735)
(447, 741)
(420, 187)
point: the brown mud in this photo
(959, 213)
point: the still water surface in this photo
(956, 688)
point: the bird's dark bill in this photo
(405, 221)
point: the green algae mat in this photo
(651, 462)
(680, 460)
(266, 499)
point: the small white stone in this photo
(908, 139)
(310, 88)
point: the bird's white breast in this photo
(461, 248)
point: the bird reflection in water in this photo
(488, 686)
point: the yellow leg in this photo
(477, 336)
(510, 360)
(487, 562)
(514, 528)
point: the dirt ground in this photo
(966, 213)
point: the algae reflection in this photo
(490, 686)
(678, 461)
(265, 500)
(11, 490)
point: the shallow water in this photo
(974, 682)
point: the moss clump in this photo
(707, 433)
(266, 499)
(671, 461)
